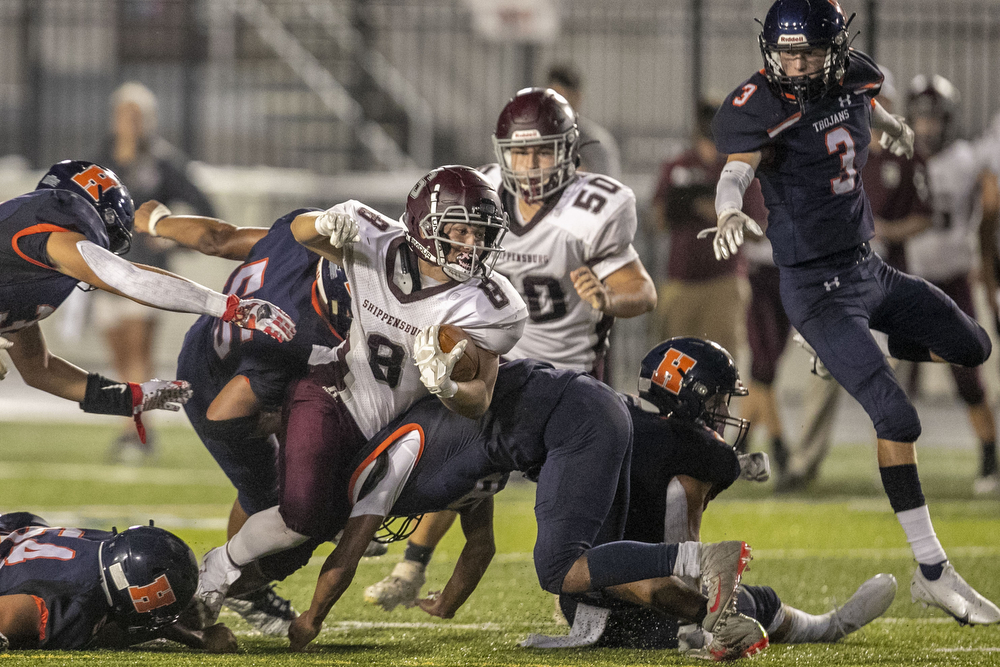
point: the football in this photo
(468, 366)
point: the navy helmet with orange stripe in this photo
(805, 25)
(693, 379)
(149, 576)
(103, 190)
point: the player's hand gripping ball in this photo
(437, 366)
(260, 316)
(467, 366)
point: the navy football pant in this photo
(833, 304)
(582, 495)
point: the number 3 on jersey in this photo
(247, 280)
(835, 139)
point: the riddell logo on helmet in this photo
(792, 39)
(526, 134)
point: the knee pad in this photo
(900, 423)
(893, 416)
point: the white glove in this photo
(339, 227)
(729, 232)
(899, 145)
(436, 366)
(163, 395)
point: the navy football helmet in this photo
(537, 117)
(693, 379)
(149, 577)
(455, 195)
(805, 25)
(933, 97)
(12, 521)
(103, 190)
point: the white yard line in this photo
(111, 474)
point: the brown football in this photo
(468, 366)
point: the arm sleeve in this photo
(156, 289)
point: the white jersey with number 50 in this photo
(382, 380)
(591, 223)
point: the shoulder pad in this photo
(748, 117)
(72, 212)
(863, 75)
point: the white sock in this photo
(807, 628)
(263, 534)
(920, 534)
(688, 563)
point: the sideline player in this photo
(961, 188)
(802, 125)
(70, 229)
(239, 379)
(71, 588)
(406, 280)
(569, 254)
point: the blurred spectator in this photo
(598, 149)
(700, 297)
(151, 169)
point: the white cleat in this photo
(736, 636)
(987, 486)
(216, 575)
(870, 601)
(265, 611)
(955, 597)
(722, 566)
(400, 588)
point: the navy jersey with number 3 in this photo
(810, 172)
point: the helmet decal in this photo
(157, 594)
(670, 371)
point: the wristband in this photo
(107, 397)
(158, 214)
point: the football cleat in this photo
(722, 566)
(736, 636)
(401, 587)
(265, 611)
(870, 601)
(987, 486)
(216, 575)
(954, 596)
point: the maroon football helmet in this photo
(537, 117)
(455, 195)
(932, 97)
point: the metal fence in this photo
(340, 85)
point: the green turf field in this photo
(814, 550)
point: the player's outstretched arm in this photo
(20, 620)
(326, 232)
(897, 137)
(73, 255)
(477, 524)
(732, 221)
(334, 578)
(471, 398)
(628, 292)
(209, 236)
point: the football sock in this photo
(264, 533)
(902, 485)
(988, 458)
(622, 562)
(688, 562)
(923, 541)
(779, 452)
(418, 554)
(806, 628)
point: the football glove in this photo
(901, 145)
(340, 228)
(157, 394)
(729, 232)
(260, 316)
(434, 365)
(4, 345)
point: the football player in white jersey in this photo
(406, 279)
(958, 180)
(569, 254)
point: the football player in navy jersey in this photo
(69, 588)
(802, 125)
(69, 230)
(239, 378)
